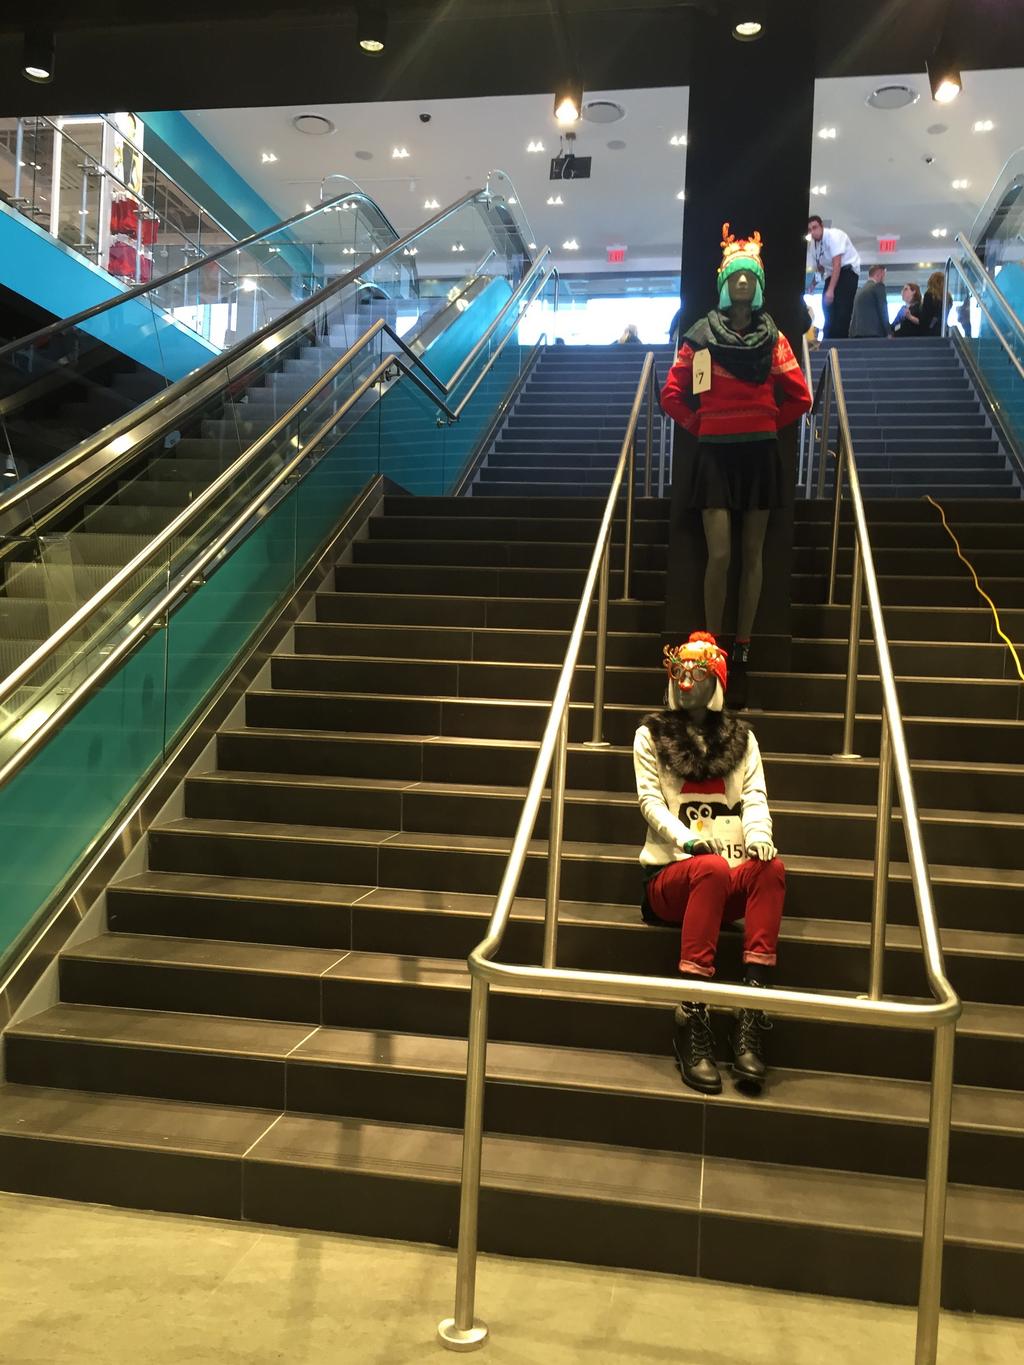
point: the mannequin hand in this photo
(701, 847)
(763, 851)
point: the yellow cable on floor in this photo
(963, 558)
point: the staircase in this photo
(917, 421)
(565, 433)
(272, 1025)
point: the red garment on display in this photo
(733, 408)
(700, 893)
(149, 230)
(121, 260)
(145, 268)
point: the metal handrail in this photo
(806, 419)
(462, 1331)
(205, 381)
(519, 296)
(535, 270)
(183, 521)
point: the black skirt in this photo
(740, 475)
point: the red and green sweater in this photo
(735, 409)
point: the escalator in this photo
(210, 438)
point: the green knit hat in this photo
(740, 254)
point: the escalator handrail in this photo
(76, 319)
(1011, 356)
(273, 335)
(182, 522)
(990, 285)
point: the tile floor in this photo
(85, 1284)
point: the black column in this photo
(748, 162)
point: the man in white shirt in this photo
(837, 262)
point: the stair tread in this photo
(633, 1074)
(890, 1205)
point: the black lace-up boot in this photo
(694, 1046)
(749, 1052)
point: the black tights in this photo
(718, 534)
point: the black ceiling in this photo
(236, 53)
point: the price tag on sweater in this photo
(702, 371)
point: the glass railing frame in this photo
(179, 399)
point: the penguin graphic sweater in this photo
(699, 781)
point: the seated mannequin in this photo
(735, 384)
(709, 854)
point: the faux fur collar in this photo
(714, 749)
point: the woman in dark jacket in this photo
(932, 305)
(907, 322)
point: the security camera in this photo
(425, 118)
(927, 160)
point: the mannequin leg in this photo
(755, 526)
(718, 534)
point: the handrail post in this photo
(837, 507)
(556, 826)
(880, 883)
(596, 740)
(463, 1331)
(852, 653)
(627, 566)
(826, 424)
(936, 1177)
(649, 446)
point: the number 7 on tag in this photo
(702, 371)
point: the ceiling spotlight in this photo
(431, 204)
(373, 28)
(458, 247)
(944, 73)
(748, 25)
(308, 208)
(940, 232)
(571, 245)
(348, 251)
(827, 134)
(411, 251)
(677, 140)
(512, 201)
(37, 55)
(681, 194)
(399, 153)
(267, 157)
(569, 102)
(819, 189)
(984, 125)
(554, 200)
(534, 146)
(531, 246)
(961, 184)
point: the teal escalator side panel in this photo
(51, 275)
(445, 353)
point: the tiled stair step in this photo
(536, 554)
(399, 991)
(983, 839)
(973, 537)
(125, 518)
(533, 1090)
(987, 741)
(1003, 562)
(571, 486)
(294, 1170)
(918, 623)
(569, 530)
(1007, 492)
(517, 505)
(992, 787)
(500, 613)
(963, 510)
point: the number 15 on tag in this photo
(702, 371)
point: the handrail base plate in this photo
(455, 1339)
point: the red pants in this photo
(699, 893)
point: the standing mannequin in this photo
(709, 854)
(735, 384)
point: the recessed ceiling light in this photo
(373, 28)
(531, 246)
(984, 125)
(892, 97)
(961, 184)
(348, 251)
(308, 208)
(399, 153)
(535, 146)
(267, 156)
(827, 134)
(554, 200)
(512, 201)
(458, 247)
(819, 189)
(431, 204)
(925, 265)
(677, 140)
(940, 232)
(681, 194)
(747, 30)
(37, 61)
(411, 251)
(571, 245)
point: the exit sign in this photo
(887, 245)
(616, 255)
